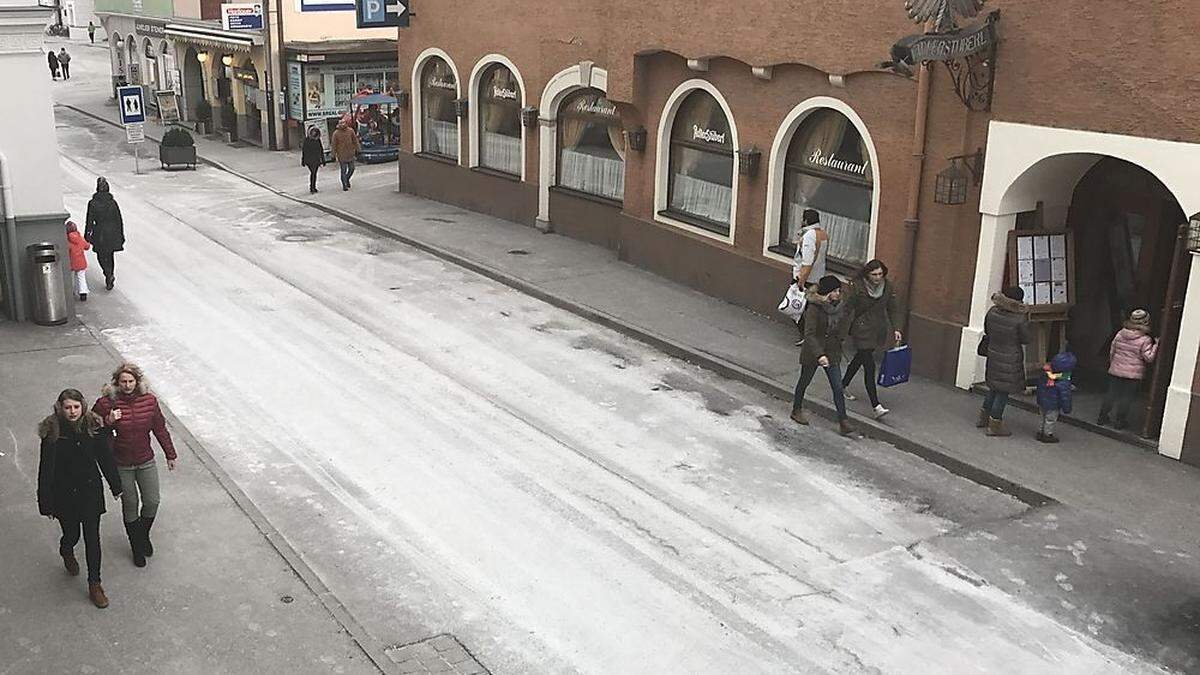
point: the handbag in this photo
(896, 366)
(794, 302)
(982, 349)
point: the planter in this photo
(177, 156)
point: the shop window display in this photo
(500, 120)
(439, 123)
(828, 168)
(591, 144)
(700, 187)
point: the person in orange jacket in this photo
(76, 245)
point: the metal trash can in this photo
(49, 300)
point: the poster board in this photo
(168, 105)
(1042, 263)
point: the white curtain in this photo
(441, 137)
(701, 198)
(596, 175)
(500, 152)
(848, 238)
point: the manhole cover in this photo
(301, 237)
(518, 251)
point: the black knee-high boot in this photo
(147, 547)
(135, 530)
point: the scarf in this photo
(876, 292)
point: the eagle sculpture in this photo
(942, 12)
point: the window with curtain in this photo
(591, 145)
(828, 169)
(700, 174)
(439, 123)
(500, 120)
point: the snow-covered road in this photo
(452, 456)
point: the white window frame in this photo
(473, 107)
(418, 112)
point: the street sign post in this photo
(133, 108)
(382, 13)
(135, 133)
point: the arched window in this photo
(591, 145)
(500, 120)
(700, 185)
(828, 168)
(439, 123)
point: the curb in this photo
(369, 646)
(716, 364)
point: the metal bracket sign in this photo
(382, 13)
(133, 108)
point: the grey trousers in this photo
(139, 483)
(1049, 419)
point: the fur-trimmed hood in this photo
(1008, 304)
(110, 391)
(51, 427)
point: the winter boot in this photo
(1048, 438)
(134, 530)
(108, 282)
(983, 418)
(83, 297)
(845, 429)
(147, 547)
(995, 427)
(70, 563)
(96, 594)
(798, 416)
(1102, 420)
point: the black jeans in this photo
(66, 70)
(106, 263)
(91, 542)
(312, 177)
(1121, 392)
(866, 359)
(834, 373)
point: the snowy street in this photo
(453, 456)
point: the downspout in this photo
(10, 235)
(912, 218)
(285, 82)
(270, 76)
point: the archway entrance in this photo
(193, 83)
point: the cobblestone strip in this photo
(438, 654)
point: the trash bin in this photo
(49, 299)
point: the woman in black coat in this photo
(872, 312)
(105, 230)
(312, 155)
(75, 452)
(1006, 329)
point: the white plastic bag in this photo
(794, 302)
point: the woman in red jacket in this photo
(136, 415)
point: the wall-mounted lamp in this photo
(402, 99)
(529, 116)
(636, 139)
(748, 161)
(202, 57)
(1193, 242)
(460, 107)
(120, 42)
(227, 59)
(953, 181)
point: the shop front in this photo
(218, 78)
(324, 81)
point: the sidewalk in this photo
(216, 597)
(935, 421)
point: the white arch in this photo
(415, 97)
(778, 157)
(473, 106)
(583, 75)
(663, 154)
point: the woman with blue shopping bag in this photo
(871, 309)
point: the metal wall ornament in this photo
(942, 13)
(968, 53)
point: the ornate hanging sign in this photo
(968, 53)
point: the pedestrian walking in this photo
(824, 331)
(76, 245)
(1054, 393)
(1006, 332)
(808, 264)
(345, 150)
(872, 314)
(74, 454)
(105, 230)
(312, 155)
(140, 416)
(64, 61)
(52, 61)
(92, 32)
(1131, 352)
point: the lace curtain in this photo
(701, 198)
(441, 137)
(500, 152)
(848, 238)
(593, 174)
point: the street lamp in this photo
(227, 59)
(202, 57)
(950, 187)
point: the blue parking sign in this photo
(382, 13)
(131, 105)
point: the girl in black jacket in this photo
(312, 155)
(75, 451)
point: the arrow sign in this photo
(133, 109)
(382, 13)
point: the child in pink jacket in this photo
(1132, 350)
(76, 245)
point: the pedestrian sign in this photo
(382, 13)
(129, 100)
(135, 133)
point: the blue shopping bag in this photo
(896, 366)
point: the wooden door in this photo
(1172, 315)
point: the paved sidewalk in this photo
(1136, 487)
(216, 597)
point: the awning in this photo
(212, 37)
(374, 99)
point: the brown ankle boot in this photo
(845, 429)
(983, 418)
(995, 427)
(96, 594)
(798, 416)
(71, 563)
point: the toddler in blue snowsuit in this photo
(1054, 393)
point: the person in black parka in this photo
(872, 312)
(312, 155)
(74, 453)
(105, 230)
(1006, 328)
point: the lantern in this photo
(952, 182)
(1193, 234)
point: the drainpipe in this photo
(271, 145)
(10, 233)
(912, 219)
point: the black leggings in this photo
(91, 542)
(866, 359)
(312, 177)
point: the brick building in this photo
(689, 139)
